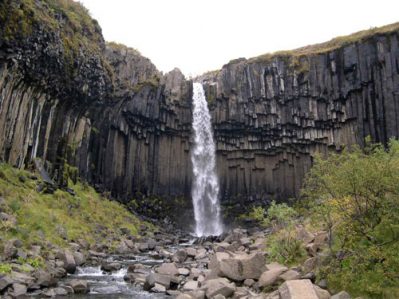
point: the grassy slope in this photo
(335, 43)
(60, 217)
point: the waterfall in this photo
(205, 189)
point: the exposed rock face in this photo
(110, 116)
(272, 115)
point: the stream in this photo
(111, 285)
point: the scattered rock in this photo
(297, 289)
(180, 256)
(110, 267)
(322, 294)
(168, 269)
(79, 286)
(69, 261)
(184, 271)
(154, 278)
(220, 286)
(191, 285)
(270, 277)
(290, 275)
(18, 290)
(5, 281)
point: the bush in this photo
(355, 196)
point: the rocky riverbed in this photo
(233, 265)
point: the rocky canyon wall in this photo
(272, 113)
(105, 112)
(85, 107)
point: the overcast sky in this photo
(202, 35)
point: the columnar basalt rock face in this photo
(106, 112)
(272, 115)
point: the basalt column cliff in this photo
(101, 111)
(271, 114)
(105, 113)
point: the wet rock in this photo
(297, 289)
(79, 258)
(79, 286)
(69, 261)
(55, 292)
(45, 279)
(110, 267)
(218, 286)
(107, 290)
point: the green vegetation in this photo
(68, 19)
(5, 268)
(59, 218)
(282, 245)
(355, 197)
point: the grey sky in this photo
(199, 36)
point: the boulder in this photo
(218, 286)
(154, 278)
(55, 292)
(191, 285)
(158, 288)
(69, 261)
(276, 266)
(45, 279)
(5, 281)
(180, 256)
(110, 267)
(184, 271)
(18, 290)
(321, 294)
(290, 275)
(297, 289)
(341, 295)
(79, 286)
(79, 258)
(241, 266)
(270, 277)
(168, 269)
(191, 252)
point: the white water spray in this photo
(205, 190)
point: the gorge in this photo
(256, 180)
(110, 117)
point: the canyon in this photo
(110, 117)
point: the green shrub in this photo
(284, 248)
(355, 196)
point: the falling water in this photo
(205, 190)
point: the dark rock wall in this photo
(135, 140)
(72, 100)
(272, 115)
